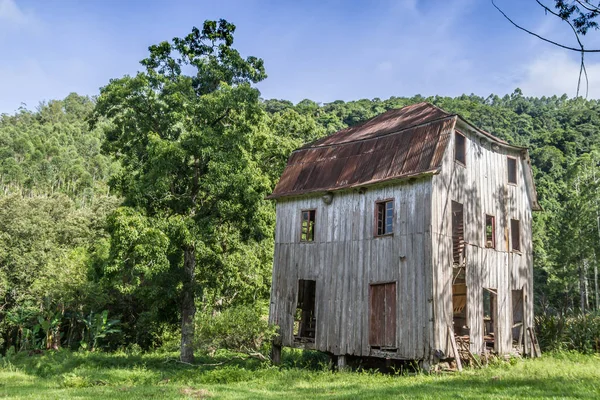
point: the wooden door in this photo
(382, 315)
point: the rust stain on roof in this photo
(397, 144)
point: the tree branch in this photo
(588, 6)
(541, 37)
(582, 51)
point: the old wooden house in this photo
(395, 235)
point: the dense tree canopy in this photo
(187, 145)
(173, 170)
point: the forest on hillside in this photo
(123, 214)
(70, 247)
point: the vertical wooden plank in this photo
(390, 314)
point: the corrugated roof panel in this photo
(403, 142)
(402, 146)
(429, 142)
(388, 122)
(303, 181)
(347, 172)
(288, 178)
(367, 162)
(327, 173)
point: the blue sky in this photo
(321, 50)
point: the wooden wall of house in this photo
(346, 257)
(482, 187)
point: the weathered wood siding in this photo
(346, 258)
(482, 187)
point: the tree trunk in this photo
(188, 306)
(586, 286)
(597, 299)
(581, 288)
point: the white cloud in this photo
(556, 73)
(10, 13)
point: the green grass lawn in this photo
(67, 375)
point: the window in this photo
(512, 170)
(490, 232)
(490, 313)
(460, 148)
(458, 236)
(382, 316)
(384, 212)
(305, 320)
(308, 226)
(515, 235)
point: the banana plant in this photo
(97, 326)
(49, 326)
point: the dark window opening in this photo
(512, 169)
(460, 148)
(490, 231)
(515, 234)
(384, 212)
(489, 317)
(308, 226)
(305, 319)
(382, 316)
(518, 311)
(459, 309)
(458, 236)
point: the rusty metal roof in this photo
(399, 143)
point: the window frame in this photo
(312, 239)
(512, 236)
(464, 148)
(376, 219)
(508, 160)
(485, 236)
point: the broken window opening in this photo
(458, 237)
(307, 233)
(305, 319)
(384, 211)
(512, 170)
(490, 232)
(489, 317)
(515, 234)
(459, 309)
(460, 148)
(518, 311)
(382, 316)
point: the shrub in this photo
(239, 328)
(577, 332)
(550, 332)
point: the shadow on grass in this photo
(302, 375)
(402, 387)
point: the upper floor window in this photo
(307, 233)
(515, 234)
(512, 169)
(460, 148)
(384, 213)
(490, 231)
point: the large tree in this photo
(185, 130)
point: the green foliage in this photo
(52, 150)
(579, 333)
(64, 375)
(98, 327)
(240, 328)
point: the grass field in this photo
(66, 375)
